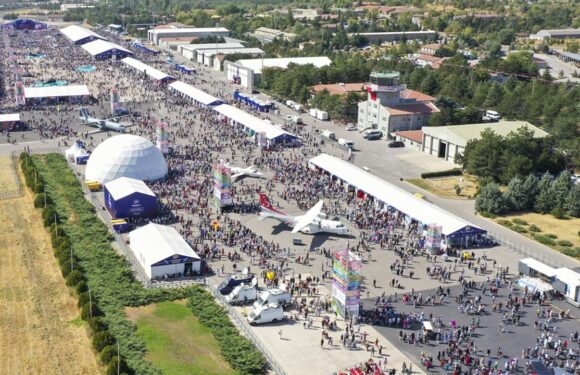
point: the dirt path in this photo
(40, 332)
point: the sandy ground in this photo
(7, 175)
(445, 186)
(40, 332)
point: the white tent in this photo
(56, 91)
(162, 251)
(77, 153)
(193, 93)
(98, 46)
(251, 122)
(156, 74)
(77, 33)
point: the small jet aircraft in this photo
(101, 124)
(238, 172)
(311, 222)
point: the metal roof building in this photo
(455, 229)
(127, 197)
(73, 92)
(102, 49)
(449, 141)
(80, 35)
(162, 251)
(153, 73)
(206, 56)
(197, 96)
(155, 35)
(190, 51)
(556, 34)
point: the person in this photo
(280, 334)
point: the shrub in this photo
(534, 228)
(505, 223)
(81, 287)
(519, 221)
(49, 215)
(574, 253)
(117, 366)
(448, 172)
(519, 229)
(97, 324)
(552, 236)
(108, 353)
(102, 339)
(558, 213)
(565, 243)
(544, 240)
(488, 215)
(39, 200)
(75, 277)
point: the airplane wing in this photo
(307, 218)
(235, 176)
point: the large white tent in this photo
(126, 155)
(162, 251)
(78, 34)
(196, 95)
(397, 198)
(56, 91)
(102, 49)
(156, 74)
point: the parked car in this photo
(396, 144)
(371, 135)
(350, 127)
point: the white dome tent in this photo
(126, 155)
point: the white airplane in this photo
(101, 124)
(311, 222)
(238, 172)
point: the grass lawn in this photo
(176, 342)
(445, 186)
(555, 229)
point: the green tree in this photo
(430, 84)
(561, 189)
(545, 199)
(491, 200)
(516, 195)
(482, 157)
(573, 201)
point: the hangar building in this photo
(162, 251)
(127, 197)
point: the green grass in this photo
(177, 343)
(77, 322)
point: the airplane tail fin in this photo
(267, 205)
(84, 113)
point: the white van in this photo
(372, 134)
(242, 294)
(328, 134)
(272, 313)
(346, 143)
(278, 296)
(492, 115)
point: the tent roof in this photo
(142, 67)
(9, 117)
(124, 186)
(250, 121)
(536, 284)
(190, 30)
(76, 33)
(159, 242)
(539, 267)
(56, 91)
(194, 93)
(96, 47)
(419, 209)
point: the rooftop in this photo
(386, 74)
(413, 135)
(339, 88)
(418, 96)
(412, 109)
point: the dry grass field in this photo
(39, 326)
(445, 186)
(7, 175)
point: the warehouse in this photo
(206, 57)
(455, 231)
(447, 142)
(197, 96)
(126, 155)
(56, 94)
(127, 198)
(156, 35)
(101, 50)
(150, 71)
(249, 72)
(163, 253)
(254, 125)
(79, 35)
(544, 35)
(190, 51)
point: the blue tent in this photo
(126, 197)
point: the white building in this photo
(390, 107)
(190, 51)
(155, 35)
(206, 57)
(162, 251)
(447, 142)
(556, 34)
(248, 73)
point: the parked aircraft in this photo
(312, 222)
(101, 124)
(251, 171)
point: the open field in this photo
(7, 175)
(564, 230)
(176, 341)
(445, 186)
(38, 333)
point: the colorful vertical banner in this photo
(162, 142)
(433, 237)
(346, 283)
(222, 185)
(115, 100)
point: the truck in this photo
(233, 281)
(269, 296)
(298, 107)
(346, 143)
(296, 120)
(318, 114)
(328, 134)
(270, 313)
(243, 294)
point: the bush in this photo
(544, 240)
(488, 215)
(519, 229)
(519, 221)
(505, 223)
(534, 228)
(108, 353)
(117, 366)
(102, 339)
(559, 213)
(49, 215)
(565, 243)
(574, 253)
(448, 172)
(97, 324)
(74, 278)
(81, 287)
(552, 236)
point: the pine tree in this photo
(561, 188)
(573, 201)
(516, 196)
(531, 187)
(491, 200)
(545, 199)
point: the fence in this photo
(246, 330)
(17, 192)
